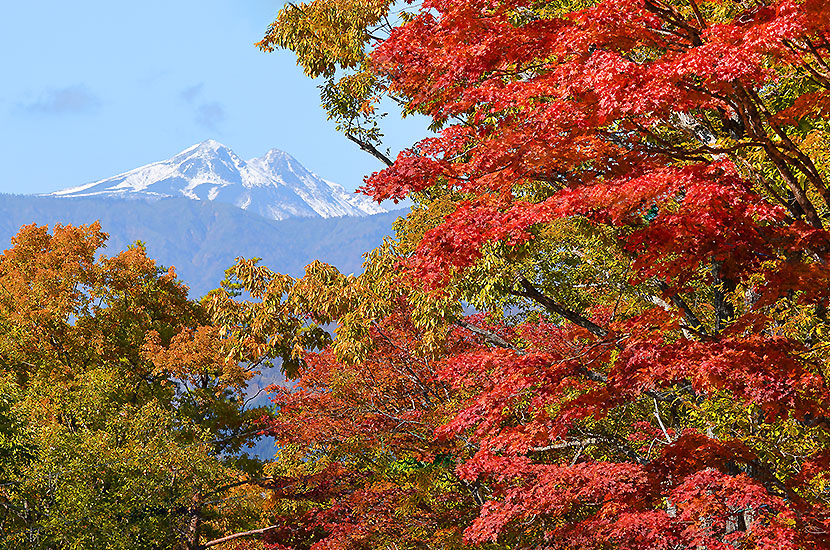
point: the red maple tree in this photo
(639, 189)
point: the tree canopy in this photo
(602, 325)
(122, 422)
(634, 197)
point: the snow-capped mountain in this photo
(274, 186)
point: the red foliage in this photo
(687, 129)
(640, 115)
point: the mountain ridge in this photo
(201, 238)
(275, 185)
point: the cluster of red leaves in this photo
(369, 428)
(656, 118)
(758, 370)
(558, 99)
(591, 104)
(516, 416)
(655, 487)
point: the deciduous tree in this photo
(121, 420)
(637, 192)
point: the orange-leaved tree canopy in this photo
(637, 193)
(121, 418)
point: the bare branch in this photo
(235, 536)
(567, 445)
(489, 337)
(660, 421)
(371, 149)
(531, 292)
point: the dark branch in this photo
(237, 536)
(531, 292)
(724, 310)
(371, 149)
(678, 302)
(489, 336)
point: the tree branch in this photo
(490, 337)
(237, 536)
(724, 310)
(660, 421)
(698, 15)
(670, 15)
(678, 302)
(566, 445)
(533, 293)
(371, 149)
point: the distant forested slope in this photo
(200, 238)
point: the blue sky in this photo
(93, 88)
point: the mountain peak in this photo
(209, 145)
(275, 153)
(274, 186)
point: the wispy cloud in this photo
(191, 93)
(59, 101)
(210, 115)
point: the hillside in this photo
(202, 238)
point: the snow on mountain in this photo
(275, 186)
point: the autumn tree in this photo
(358, 464)
(637, 193)
(122, 422)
